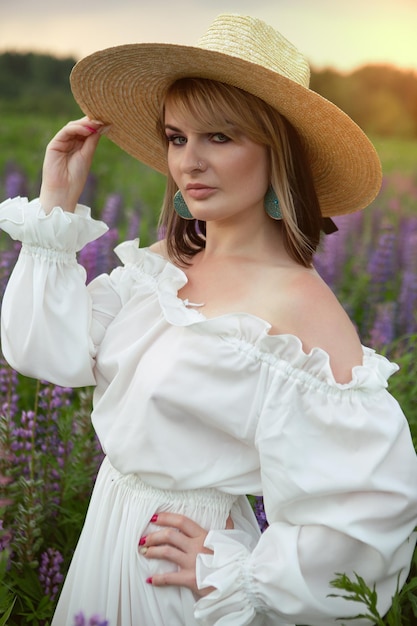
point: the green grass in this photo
(397, 155)
(23, 140)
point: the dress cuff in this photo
(228, 570)
(60, 231)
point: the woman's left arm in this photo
(339, 474)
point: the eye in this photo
(177, 140)
(220, 138)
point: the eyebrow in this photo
(174, 128)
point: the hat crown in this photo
(252, 40)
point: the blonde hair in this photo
(219, 107)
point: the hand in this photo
(179, 542)
(67, 163)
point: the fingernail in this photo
(143, 550)
(91, 129)
(154, 518)
(142, 541)
(149, 580)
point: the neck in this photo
(255, 238)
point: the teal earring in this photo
(271, 204)
(180, 207)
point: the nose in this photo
(193, 158)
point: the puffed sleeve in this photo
(339, 476)
(47, 309)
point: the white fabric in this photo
(188, 403)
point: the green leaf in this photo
(6, 615)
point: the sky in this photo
(342, 35)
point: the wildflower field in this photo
(48, 452)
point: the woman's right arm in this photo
(47, 310)
(67, 163)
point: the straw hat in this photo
(124, 86)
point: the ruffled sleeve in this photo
(46, 311)
(339, 476)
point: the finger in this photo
(87, 122)
(182, 523)
(167, 536)
(181, 578)
(229, 523)
(168, 553)
(76, 129)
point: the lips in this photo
(198, 191)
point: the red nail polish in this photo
(91, 129)
(142, 541)
(154, 518)
(149, 580)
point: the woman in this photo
(223, 365)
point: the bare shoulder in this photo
(307, 307)
(160, 247)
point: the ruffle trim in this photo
(60, 231)
(248, 333)
(166, 279)
(227, 569)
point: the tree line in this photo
(382, 99)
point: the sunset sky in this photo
(340, 34)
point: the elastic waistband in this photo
(199, 497)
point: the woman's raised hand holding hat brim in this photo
(67, 163)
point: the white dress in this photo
(193, 414)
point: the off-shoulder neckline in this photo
(247, 331)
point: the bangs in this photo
(213, 106)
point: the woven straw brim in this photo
(125, 86)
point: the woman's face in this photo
(219, 177)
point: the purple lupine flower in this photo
(133, 229)
(407, 297)
(23, 437)
(35, 438)
(408, 244)
(97, 257)
(111, 210)
(8, 260)
(87, 257)
(382, 333)
(381, 266)
(333, 253)
(79, 619)
(52, 400)
(8, 409)
(260, 513)
(89, 192)
(407, 313)
(382, 269)
(50, 575)
(95, 620)
(15, 182)
(8, 390)
(326, 260)
(106, 259)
